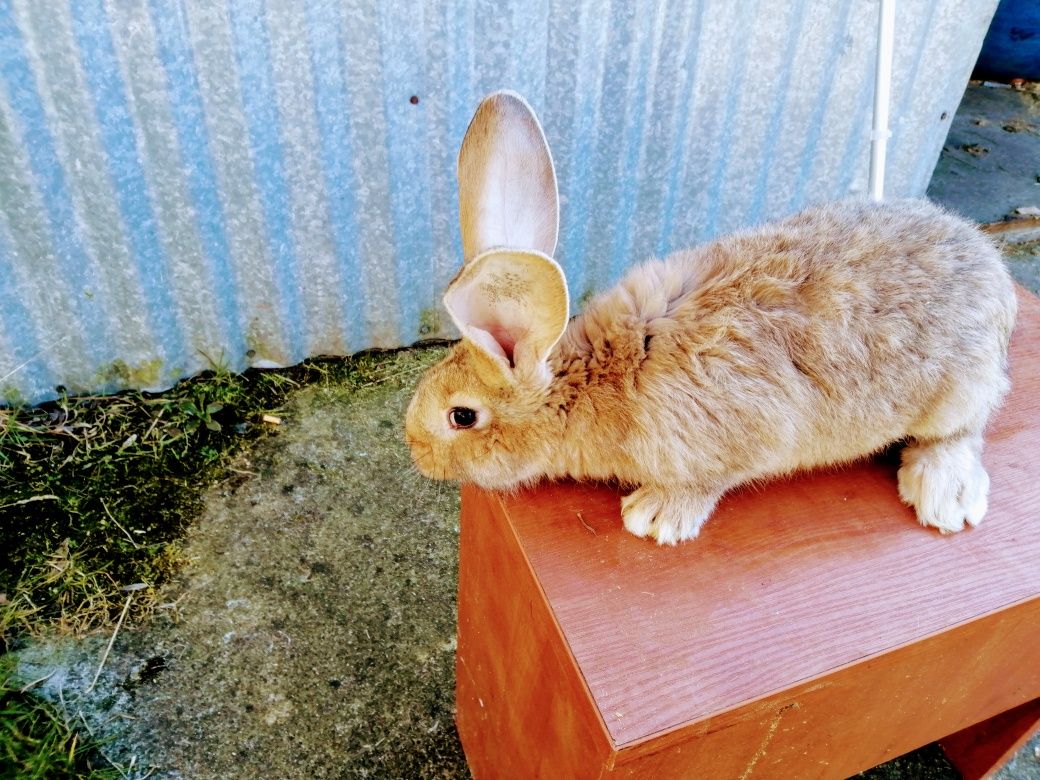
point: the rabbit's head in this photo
(480, 414)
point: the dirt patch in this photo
(316, 621)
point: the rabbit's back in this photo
(854, 286)
(818, 338)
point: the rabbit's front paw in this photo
(668, 516)
(946, 483)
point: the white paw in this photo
(668, 517)
(945, 483)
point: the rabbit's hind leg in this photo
(945, 482)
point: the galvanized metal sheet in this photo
(186, 183)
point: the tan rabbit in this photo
(812, 341)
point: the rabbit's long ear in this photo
(507, 184)
(513, 306)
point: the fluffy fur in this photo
(812, 341)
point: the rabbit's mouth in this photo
(424, 460)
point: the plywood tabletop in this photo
(787, 581)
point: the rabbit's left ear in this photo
(513, 307)
(507, 183)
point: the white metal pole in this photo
(882, 92)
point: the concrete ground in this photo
(990, 164)
(314, 632)
(312, 635)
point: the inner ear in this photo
(506, 340)
(492, 315)
(496, 339)
(512, 305)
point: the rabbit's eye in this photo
(461, 417)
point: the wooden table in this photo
(814, 629)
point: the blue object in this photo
(1012, 45)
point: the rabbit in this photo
(815, 340)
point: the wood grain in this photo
(522, 709)
(853, 718)
(787, 582)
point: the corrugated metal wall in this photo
(184, 182)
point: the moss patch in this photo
(119, 373)
(95, 492)
(429, 323)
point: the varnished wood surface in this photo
(787, 582)
(523, 711)
(857, 716)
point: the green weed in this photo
(36, 742)
(95, 492)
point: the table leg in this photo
(980, 750)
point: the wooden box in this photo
(814, 629)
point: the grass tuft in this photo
(95, 492)
(95, 495)
(36, 742)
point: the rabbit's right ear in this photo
(513, 307)
(507, 184)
